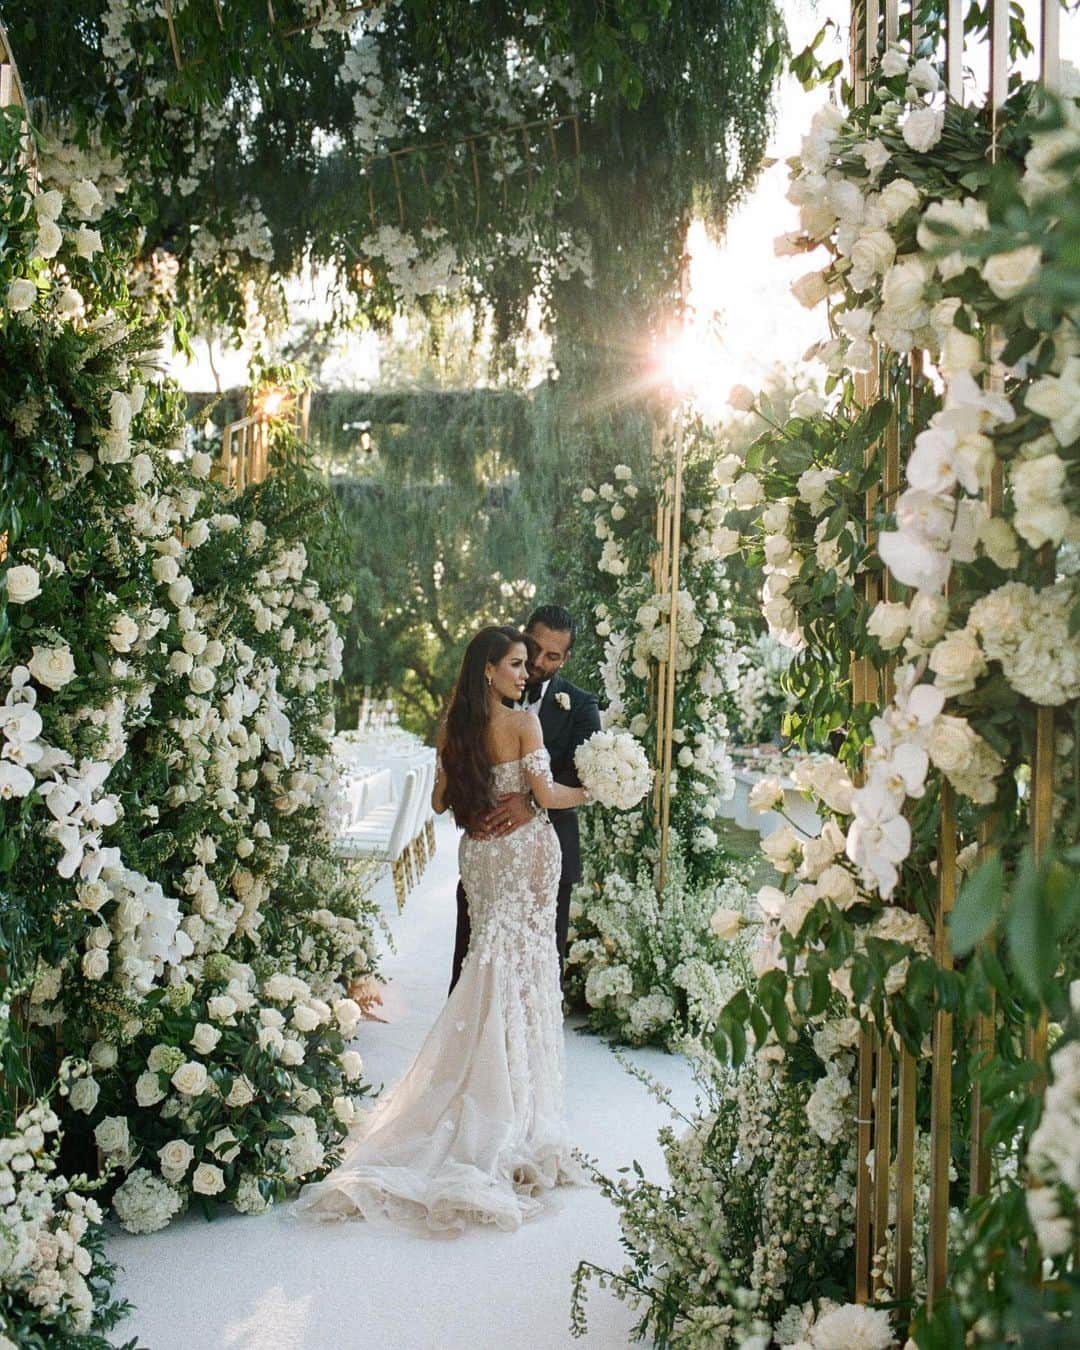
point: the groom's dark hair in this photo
(556, 618)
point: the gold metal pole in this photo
(941, 1068)
(882, 1150)
(673, 621)
(863, 1181)
(1042, 824)
(905, 1175)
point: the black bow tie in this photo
(532, 693)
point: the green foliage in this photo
(639, 113)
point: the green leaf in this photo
(978, 906)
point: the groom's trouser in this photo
(461, 940)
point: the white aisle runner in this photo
(274, 1283)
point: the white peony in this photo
(855, 1326)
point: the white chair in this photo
(383, 833)
(417, 847)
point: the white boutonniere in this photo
(563, 700)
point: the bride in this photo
(475, 1130)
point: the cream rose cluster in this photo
(614, 768)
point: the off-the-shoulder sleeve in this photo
(538, 765)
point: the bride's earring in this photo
(488, 678)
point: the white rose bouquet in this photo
(613, 767)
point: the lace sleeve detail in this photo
(538, 762)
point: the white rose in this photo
(951, 744)
(240, 1094)
(23, 584)
(747, 491)
(49, 239)
(904, 285)
(924, 76)
(103, 1054)
(69, 303)
(304, 1018)
(225, 1145)
(205, 1038)
(782, 847)
(165, 568)
(175, 1158)
(741, 398)
(873, 252)
(190, 1079)
(889, 623)
(922, 129)
(725, 924)
(85, 197)
(1007, 274)
(123, 633)
(181, 663)
(838, 885)
(929, 613)
(202, 679)
(53, 667)
(95, 964)
(207, 1180)
(21, 295)
(957, 662)
(292, 1051)
(148, 1089)
(352, 1066)
(111, 1134)
(894, 63)
(180, 591)
(84, 1095)
(344, 1109)
(766, 795)
(221, 1007)
(810, 289)
(87, 241)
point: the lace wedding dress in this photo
(474, 1132)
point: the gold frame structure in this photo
(245, 444)
(888, 1073)
(669, 450)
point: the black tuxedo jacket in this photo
(564, 729)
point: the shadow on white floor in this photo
(275, 1283)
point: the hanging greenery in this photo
(495, 151)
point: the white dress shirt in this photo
(534, 708)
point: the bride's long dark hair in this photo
(465, 757)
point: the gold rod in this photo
(1042, 824)
(673, 624)
(905, 1175)
(941, 1067)
(863, 1183)
(882, 1151)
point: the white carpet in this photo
(273, 1283)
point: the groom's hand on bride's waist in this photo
(508, 814)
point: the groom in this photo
(568, 716)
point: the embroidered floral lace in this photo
(475, 1130)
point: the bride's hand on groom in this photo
(508, 814)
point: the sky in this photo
(747, 320)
